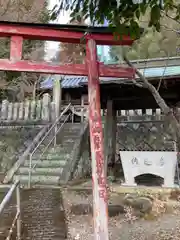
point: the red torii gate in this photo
(74, 34)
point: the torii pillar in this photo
(100, 198)
(99, 180)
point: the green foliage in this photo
(120, 13)
(153, 44)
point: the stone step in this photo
(42, 215)
(73, 137)
(67, 145)
(64, 145)
(54, 156)
(41, 179)
(46, 163)
(70, 130)
(53, 149)
(68, 142)
(72, 125)
(40, 171)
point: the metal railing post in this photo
(72, 115)
(19, 213)
(53, 128)
(17, 219)
(30, 170)
(8, 196)
(55, 137)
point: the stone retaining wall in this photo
(13, 143)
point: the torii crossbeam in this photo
(92, 36)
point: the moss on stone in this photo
(12, 144)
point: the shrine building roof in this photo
(80, 81)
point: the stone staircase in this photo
(55, 165)
(42, 214)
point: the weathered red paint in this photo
(97, 152)
(116, 71)
(18, 32)
(57, 34)
(16, 48)
(69, 69)
(42, 67)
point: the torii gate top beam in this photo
(61, 33)
(17, 32)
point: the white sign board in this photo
(162, 164)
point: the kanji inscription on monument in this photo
(135, 161)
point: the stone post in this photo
(15, 111)
(26, 110)
(32, 109)
(57, 95)
(46, 107)
(10, 111)
(21, 111)
(38, 109)
(4, 109)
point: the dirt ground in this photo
(165, 227)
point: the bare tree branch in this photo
(6, 8)
(137, 84)
(170, 29)
(151, 88)
(161, 79)
(160, 101)
(172, 18)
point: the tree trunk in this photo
(170, 117)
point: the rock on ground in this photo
(166, 227)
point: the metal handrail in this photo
(57, 131)
(53, 127)
(16, 220)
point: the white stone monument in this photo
(162, 164)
